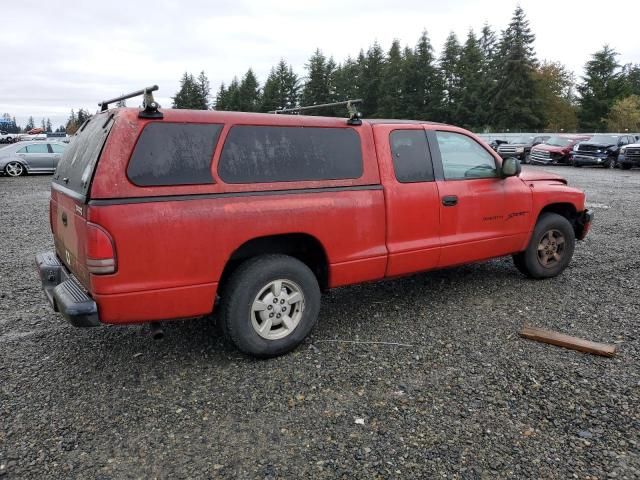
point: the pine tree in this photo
(423, 87)
(631, 78)
(204, 91)
(222, 98)
(233, 95)
(601, 86)
(345, 80)
(43, 125)
(449, 60)
(392, 84)
(83, 116)
(281, 88)
(469, 111)
(514, 96)
(48, 126)
(30, 124)
(72, 123)
(370, 83)
(317, 88)
(191, 93)
(488, 44)
(249, 93)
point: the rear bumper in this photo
(65, 293)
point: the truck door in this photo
(481, 214)
(411, 198)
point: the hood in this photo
(552, 148)
(599, 145)
(540, 175)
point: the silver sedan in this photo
(30, 157)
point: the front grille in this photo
(506, 149)
(540, 155)
(632, 154)
(588, 148)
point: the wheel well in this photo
(567, 210)
(302, 246)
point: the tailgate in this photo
(70, 192)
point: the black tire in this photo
(625, 166)
(238, 317)
(549, 225)
(577, 165)
(610, 164)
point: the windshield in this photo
(604, 139)
(522, 140)
(559, 141)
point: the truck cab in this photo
(252, 216)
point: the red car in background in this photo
(556, 150)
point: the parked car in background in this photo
(600, 150)
(30, 157)
(520, 147)
(496, 142)
(629, 156)
(556, 150)
(6, 137)
(267, 237)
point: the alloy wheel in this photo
(277, 309)
(551, 248)
(14, 169)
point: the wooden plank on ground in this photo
(567, 341)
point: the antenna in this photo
(150, 106)
(354, 115)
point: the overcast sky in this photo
(58, 55)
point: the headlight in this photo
(519, 149)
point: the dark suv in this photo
(600, 150)
(520, 147)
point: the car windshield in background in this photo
(522, 140)
(604, 139)
(558, 142)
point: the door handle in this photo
(64, 219)
(450, 200)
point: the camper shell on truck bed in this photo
(157, 218)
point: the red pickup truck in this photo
(173, 214)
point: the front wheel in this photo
(14, 169)
(550, 248)
(270, 305)
(625, 166)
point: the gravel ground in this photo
(462, 397)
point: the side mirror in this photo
(510, 167)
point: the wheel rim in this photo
(551, 248)
(14, 169)
(277, 309)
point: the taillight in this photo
(101, 254)
(53, 209)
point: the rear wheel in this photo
(14, 169)
(270, 305)
(550, 248)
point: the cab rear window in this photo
(75, 168)
(174, 154)
(254, 154)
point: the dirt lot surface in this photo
(460, 396)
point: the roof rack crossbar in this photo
(150, 106)
(354, 115)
